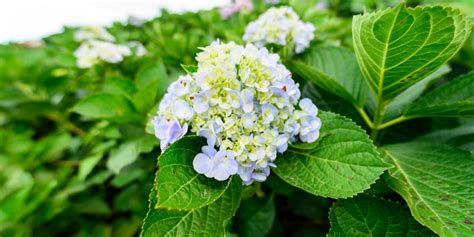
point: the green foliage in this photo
(403, 100)
(450, 100)
(341, 164)
(399, 46)
(335, 70)
(461, 137)
(208, 220)
(106, 106)
(436, 181)
(372, 216)
(178, 185)
(255, 217)
(78, 155)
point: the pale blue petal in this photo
(202, 163)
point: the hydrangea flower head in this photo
(246, 105)
(97, 45)
(93, 52)
(280, 26)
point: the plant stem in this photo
(68, 125)
(365, 116)
(393, 122)
(378, 119)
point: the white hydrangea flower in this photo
(280, 26)
(93, 52)
(88, 33)
(246, 105)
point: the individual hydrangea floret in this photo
(246, 105)
(280, 26)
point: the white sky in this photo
(32, 19)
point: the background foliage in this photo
(75, 158)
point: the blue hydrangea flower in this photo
(246, 105)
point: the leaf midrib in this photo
(384, 58)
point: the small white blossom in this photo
(97, 45)
(246, 105)
(280, 26)
(93, 52)
(88, 33)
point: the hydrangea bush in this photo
(177, 126)
(245, 103)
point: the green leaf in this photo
(402, 101)
(461, 137)
(190, 69)
(152, 81)
(106, 106)
(128, 152)
(151, 73)
(436, 182)
(255, 216)
(179, 185)
(87, 165)
(306, 205)
(334, 70)
(370, 216)
(119, 86)
(210, 220)
(342, 163)
(399, 46)
(455, 98)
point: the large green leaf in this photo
(152, 82)
(334, 70)
(206, 221)
(456, 98)
(342, 163)
(399, 46)
(403, 100)
(371, 216)
(107, 106)
(255, 216)
(461, 137)
(179, 185)
(437, 183)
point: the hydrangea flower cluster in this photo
(280, 26)
(245, 104)
(93, 52)
(98, 45)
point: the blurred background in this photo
(22, 20)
